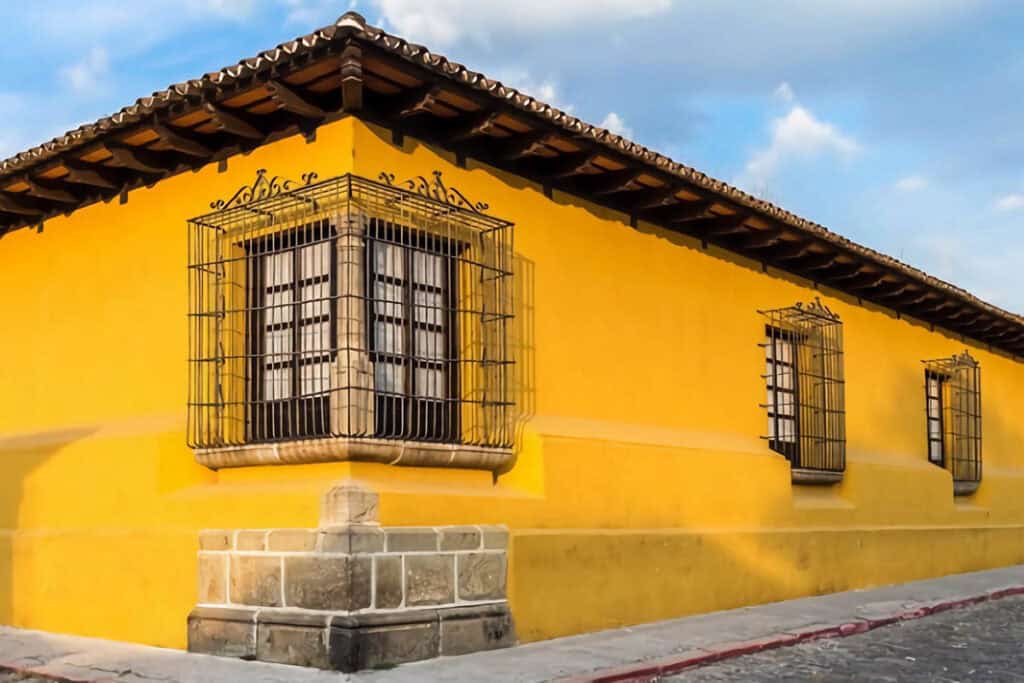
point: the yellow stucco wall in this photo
(642, 490)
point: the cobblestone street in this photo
(980, 643)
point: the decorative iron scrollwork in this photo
(817, 308)
(965, 359)
(263, 188)
(434, 189)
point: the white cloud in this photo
(617, 125)
(444, 22)
(911, 183)
(797, 136)
(1010, 202)
(785, 92)
(87, 75)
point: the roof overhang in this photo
(351, 68)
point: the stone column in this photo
(352, 399)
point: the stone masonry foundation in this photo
(351, 595)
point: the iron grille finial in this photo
(817, 308)
(434, 189)
(263, 188)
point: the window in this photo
(936, 384)
(781, 374)
(353, 310)
(805, 389)
(953, 413)
(293, 286)
(412, 283)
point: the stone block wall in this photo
(351, 594)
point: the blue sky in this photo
(898, 123)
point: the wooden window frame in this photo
(408, 414)
(938, 417)
(297, 416)
(789, 449)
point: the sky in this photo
(897, 123)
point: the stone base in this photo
(348, 642)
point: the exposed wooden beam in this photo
(791, 251)
(871, 281)
(474, 126)
(608, 182)
(762, 239)
(524, 145)
(564, 166)
(686, 211)
(83, 175)
(842, 271)
(351, 78)
(654, 198)
(816, 262)
(715, 226)
(292, 101)
(181, 142)
(14, 205)
(44, 190)
(893, 293)
(232, 123)
(411, 103)
(136, 159)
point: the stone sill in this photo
(965, 488)
(344, 449)
(816, 477)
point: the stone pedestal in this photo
(351, 595)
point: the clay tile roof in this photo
(354, 26)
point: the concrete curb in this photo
(651, 670)
(29, 671)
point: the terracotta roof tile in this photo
(353, 24)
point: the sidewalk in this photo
(640, 652)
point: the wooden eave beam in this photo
(16, 206)
(352, 84)
(526, 144)
(609, 182)
(679, 214)
(899, 291)
(473, 126)
(233, 124)
(137, 159)
(763, 239)
(791, 251)
(41, 189)
(564, 166)
(654, 198)
(822, 262)
(83, 175)
(872, 281)
(290, 100)
(410, 103)
(842, 272)
(715, 226)
(182, 142)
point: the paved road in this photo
(980, 643)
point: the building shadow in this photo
(20, 456)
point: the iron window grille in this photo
(953, 412)
(805, 386)
(350, 308)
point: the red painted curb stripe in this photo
(644, 672)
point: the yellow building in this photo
(350, 270)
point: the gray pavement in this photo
(648, 650)
(984, 642)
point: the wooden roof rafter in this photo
(351, 67)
